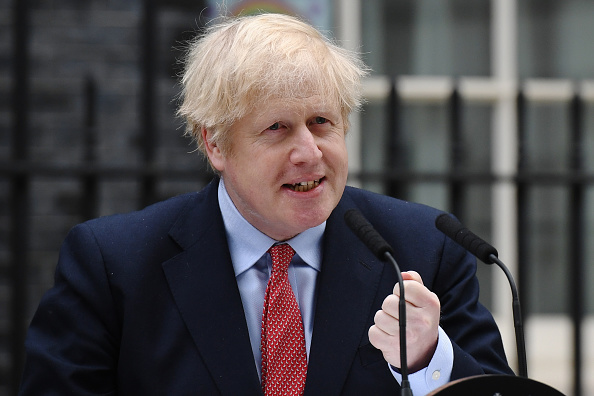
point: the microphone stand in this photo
(405, 389)
(517, 312)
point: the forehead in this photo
(294, 106)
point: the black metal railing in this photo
(19, 195)
(576, 180)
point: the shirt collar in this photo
(247, 244)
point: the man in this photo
(186, 296)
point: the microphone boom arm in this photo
(453, 229)
(517, 313)
(405, 386)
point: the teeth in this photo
(305, 186)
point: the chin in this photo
(308, 220)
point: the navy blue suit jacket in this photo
(146, 303)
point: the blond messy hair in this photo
(243, 61)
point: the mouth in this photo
(304, 186)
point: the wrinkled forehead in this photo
(293, 85)
(289, 107)
(295, 94)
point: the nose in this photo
(304, 146)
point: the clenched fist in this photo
(422, 322)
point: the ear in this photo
(215, 156)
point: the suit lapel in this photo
(347, 287)
(203, 284)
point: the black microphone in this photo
(475, 245)
(487, 254)
(382, 250)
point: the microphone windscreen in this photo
(461, 235)
(367, 234)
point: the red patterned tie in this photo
(284, 359)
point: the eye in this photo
(320, 120)
(274, 127)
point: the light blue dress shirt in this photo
(252, 266)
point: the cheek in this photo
(337, 155)
(254, 173)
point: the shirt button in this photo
(436, 375)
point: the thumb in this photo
(412, 275)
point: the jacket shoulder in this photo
(159, 216)
(384, 208)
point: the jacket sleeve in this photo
(72, 343)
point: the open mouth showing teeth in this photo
(304, 186)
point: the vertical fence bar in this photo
(456, 195)
(19, 200)
(395, 155)
(148, 135)
(577, 215)
(522, 205)
(90, 180)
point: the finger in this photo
(387, 323)
(390, 305)
(417, 295)
(389, 345)
(408, 284)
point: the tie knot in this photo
(281, 257)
